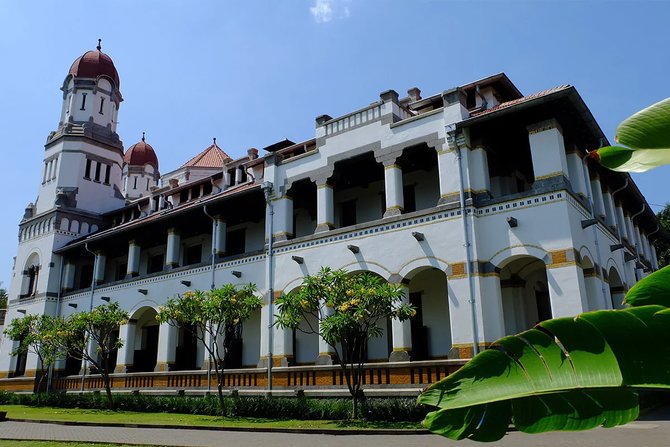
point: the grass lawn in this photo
(6, 443)
(124, 417)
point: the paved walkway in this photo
(653, 431)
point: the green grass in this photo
(106, 416)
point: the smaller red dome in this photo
(140, 154)
(95, 63)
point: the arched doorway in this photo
(145, 342)
(525, 293)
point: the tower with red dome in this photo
(80, 180)
(140, 170)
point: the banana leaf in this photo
(564, 374)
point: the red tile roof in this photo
(212, 157)
(514, 102)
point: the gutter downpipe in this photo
(468, 245)
(213, 269)
(90, 308)
(592, 204)
(58, 306)
(267, 190)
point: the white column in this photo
(220, 243)
(326, 352)
(133, 259)
(167, 346)
(91, 349)
(393, 189)
(282, 342)
(200, 354)
(172, 249)
(598, 197)
(283, 215)
(100, 262)
(68, 276)
(325, 214)
(629, 229)
(402, 334)
(576, 172)
(638, 241)
(654, 258)
(547, 150)
(621, 222)
(567, 291)
(126, 353)
(609, 208)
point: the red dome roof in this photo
(95, 63)
(140, 154)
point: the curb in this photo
(314, 431)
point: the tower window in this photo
(108, 170)
(97, 171)
(135, 183)
(83, 101)
(87, 172)
(102, 104)
(147, 184)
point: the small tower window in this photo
(147, 184)
(135, 183)
(108, 170)
(97, 171)
(87, 172)
(102, 104)
(83, 101)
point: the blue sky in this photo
(254, 72)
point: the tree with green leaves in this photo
(212, 316)
(345, 310)
(3, 298)
(662, 243)
(92, 338)
(571, 373)
(36, 335)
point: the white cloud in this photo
(324, 11)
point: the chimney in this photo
(174, 183)
(252, 153)
(414, 94)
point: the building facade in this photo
(478, 201)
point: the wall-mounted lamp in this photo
(105, 298)
(629, 257)
(73, 305)
(298, 259)
(354, 248)
(512, 222)
(143, 291)
(236, 273)
(588, 222)
(639, 265)
(186, 283)
(616, 247)
(418, 236)
(21, 311)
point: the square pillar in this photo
(126, 354)
(283, 215)
(172, 249)
(325, 209)
(478, 170)
(401, 334)
(134, 250)
(393, 188)
(547, 150)
(567, 291)
(610, 210)
(167, 345)
(629, 229)
(447, 166)
(621, 222)
(282, 340)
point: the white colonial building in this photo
(477, 200)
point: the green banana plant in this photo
(644, 141)
(572, 373)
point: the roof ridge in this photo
(204, 159)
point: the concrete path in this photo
(653, 431)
